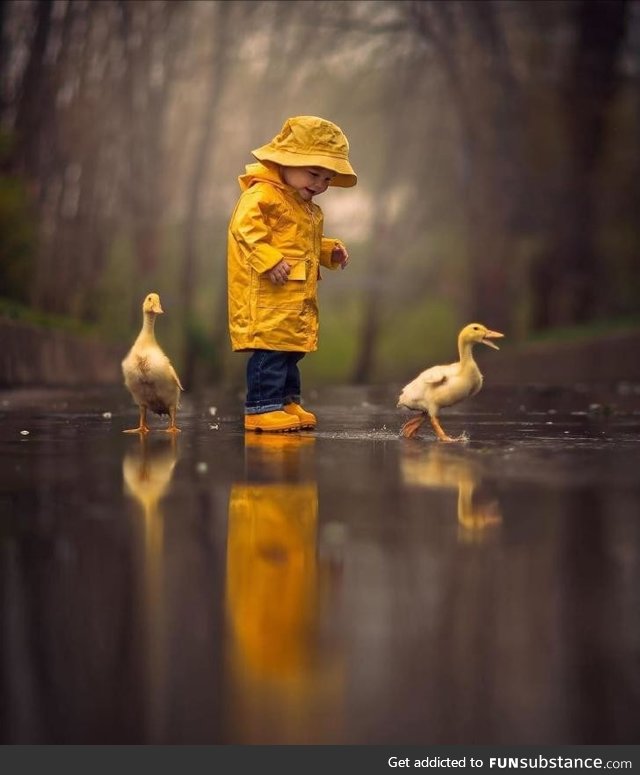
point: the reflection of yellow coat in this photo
(271, 222)
(272, 577)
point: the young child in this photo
(275, 248)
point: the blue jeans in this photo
(273, 380)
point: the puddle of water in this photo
(342, 586)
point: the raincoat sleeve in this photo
(328, 244)
(251, 230)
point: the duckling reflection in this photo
(281, 679)
(436, 467)
(148, 471)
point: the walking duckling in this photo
(446, 385)
(148, 373)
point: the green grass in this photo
(414, 338)
(593, 330)
(20, 313)
(333, 361)
(408, 341)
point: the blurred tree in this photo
(390, 228)
(495, 144)
(17, 232)
(4, 60)
(467, 42)
(35, 102)
(504, 182)
(569, 277)
(154, 36)
(221, 42)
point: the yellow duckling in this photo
(148, 373)
(446, 385)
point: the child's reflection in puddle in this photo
(287, 679)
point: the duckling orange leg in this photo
(442, 436)
(173, 428)
(410, 428)
(142, 428)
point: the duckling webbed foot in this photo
(442, 436)
(172, 428)
(142, 427)
(410, 428)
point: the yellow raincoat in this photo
(271, 222)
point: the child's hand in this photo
(340, 256)
(279, 274)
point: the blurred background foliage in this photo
(496, 144)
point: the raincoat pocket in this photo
(298, 269)
(291, 295)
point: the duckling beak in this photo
(158, 309)
(491, 335)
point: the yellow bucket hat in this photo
(309, 141)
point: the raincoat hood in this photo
(309, 141)
(258, 173)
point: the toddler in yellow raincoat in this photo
(275, 248)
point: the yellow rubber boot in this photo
(273, 422)
(307, 420)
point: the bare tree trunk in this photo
(217, 73)
(77, 229)
(35, 99)
(364, 365)
(382, 240)
(33, 111)
(494, 230)
(437, 25)
(490, 169)
(4, 60)
(146, 99)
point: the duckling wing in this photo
(173, 373)
(413, 394)
(166, 381)
(436, 375)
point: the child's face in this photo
(308, 181)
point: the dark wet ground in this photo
(341, 586)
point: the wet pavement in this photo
(340, 586)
